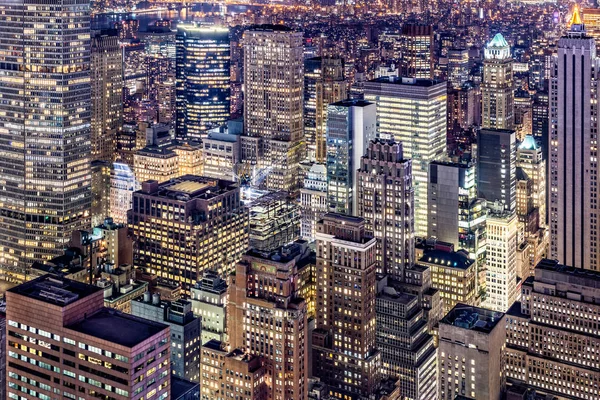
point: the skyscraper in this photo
(497, 88)
(107, 93)
(458, 67)
(324, 84)
(385, 199)
(273, 105)
(496, 166)
(413, 112)
(313, 201)
(416, 43)
(267, 318)
(44, 131)
(573, 171)
(351, 124)
(344, 354)
(202, 88)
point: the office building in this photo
(351, 124)
(385, 200)
(345, 356)
(209, 303)
(274, 221)
(458, 67)
(231, 374)
(472, 343)
(407, 349)
(413, 112)
(497, 88)
(202, 71)
(573, 172)
(453, 274)
(155, 163)
(551, 342)
(539, 123)
(530, 160)
(221, 154)
(64, 343)
(591, 20)
(416, 44)
(100, 209)
(501, 260)
(457, 215)
(185, 331)
(324, 83)
(187, 226)
(45, 195)
(496, 167)
(313, 201)
(120, 286)
(3, 351)
(273, 105)
(267, 319)
(107, 93)
(122, 186)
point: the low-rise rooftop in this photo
(452, 259)
(472, 318)
(116, 327)
(56, 290)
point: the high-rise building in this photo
(345, 356)
(267, 318)
(539, 120)
(221, 154)
(413, 112)
(591, 20)
(3, 352)
(573, 171)
(470, 351)
(385, 199)
(458, 67)
(551, 342)
(273, 105)
(407, 348)
(496, 166)
(416, 44)
(63, 343)
(203, 79)
(531, 160)
(351, 124)
(186, 226)
(185, 331)
(209, 302)
(107, 93)
(274, 221)
(497, 88)
(324, 84)
(501, 260)
(457, 215)
(100, 208)
(313, 201)
(44, 136)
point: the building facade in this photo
(46, 150)
(413, 112)
(203, 79)
(385, 199)
(416, 46)
(313, 201)
(497, 88)
(209, 302)
(351, 124)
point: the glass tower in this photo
(45, 119)
(203, 88)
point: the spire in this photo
(576, 18)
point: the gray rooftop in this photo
(473, 318)
(56, 290)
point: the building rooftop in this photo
(396, 80)
(352, 103)
(188, 187)
(472, 318)
(181, 388)
(214, 344)
(583, 277)
(271, 27)
(116, 327)
(454, 259)
(55, 290)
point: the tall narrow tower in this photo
(273, 104)
(497, 89)
(573, 172)
(45, 170)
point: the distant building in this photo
(185, 332)
(209, 303)
(86, 348)
(471, 352)
(416, 46)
